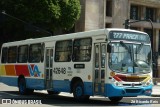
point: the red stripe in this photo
(22, 70)
(117, 78)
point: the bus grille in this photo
(132, 79)
(133, 90)
(131, 84)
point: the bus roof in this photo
(68, 36)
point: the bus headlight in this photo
(116, 83)
(149, 82)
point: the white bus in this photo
(113, 63)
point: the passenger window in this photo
(23, 54)
(82, 49)
(12, 54)
(63, 51)
(4, 55)
(35, 53)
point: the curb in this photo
(156, 90)
(155, 95)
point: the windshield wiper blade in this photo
(139, 48)
(124, 45)
(129, 49)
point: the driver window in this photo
(118, 53)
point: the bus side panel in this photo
(33, 73)
(2, 70)
(35, 80)
(88, 88)
(35, 83)
(64, 86)
(6, 77)
(11, 81)
(61, 85)
(62, 80)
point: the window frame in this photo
(6, 55)
(137, 12)
(26, 54)
(109, 8)
(89, 49)
(32, 55)
(152, 15)
(14, 60)
(68, 50)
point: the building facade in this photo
(98, 14)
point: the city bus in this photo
(111, 62)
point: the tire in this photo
(78, 92)
(22, 86)
(115, 99)
(53, 92)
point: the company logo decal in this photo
(34, 71)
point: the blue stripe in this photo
(61, 86)
(64, 86)
(37, 84)
(11, 81)
(88, 88)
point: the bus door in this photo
(48, 68)
(100, 68)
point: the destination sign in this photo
(130, 36)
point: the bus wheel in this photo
(115, 99)
(22, 86)
(78, 92)
(52, 92)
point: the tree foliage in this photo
(52, 14)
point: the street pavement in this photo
(156, 90)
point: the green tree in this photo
(51, 14)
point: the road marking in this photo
(9, 94)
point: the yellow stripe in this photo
(148, 77)
(2, 70)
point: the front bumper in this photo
(115, 91)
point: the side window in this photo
(82, 49)
(4, 55)
(35, 53)
(63, 51)
(12, 54)
(23, 54)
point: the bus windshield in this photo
(130, 58)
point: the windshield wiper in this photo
(124, 45)
(139, 48)
(128, 49)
